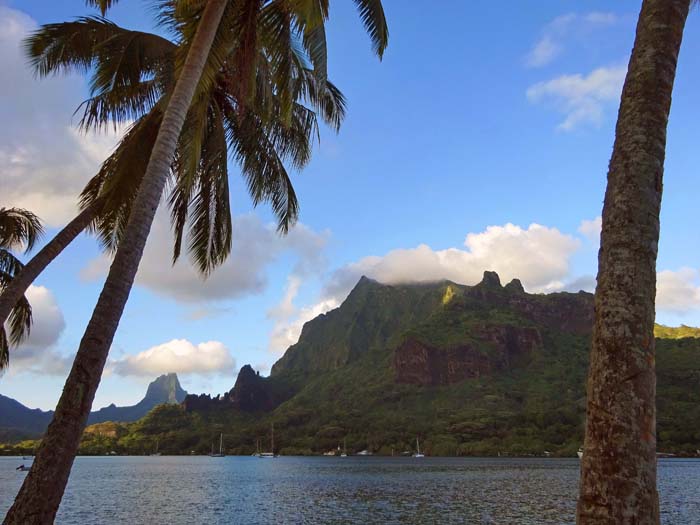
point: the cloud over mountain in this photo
(538, 255)
(179, 356)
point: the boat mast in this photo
(221, 444)
(272, 434)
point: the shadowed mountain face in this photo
(19, 422)
(439, 333)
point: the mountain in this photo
(472, 370)
(18, 422)
(165, 389)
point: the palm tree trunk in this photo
(20, 282)
(618, 468)
(42, 490)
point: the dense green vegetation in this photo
(678, 332)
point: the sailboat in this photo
(344, 453)
(418, 452)
(271, 454)
(221, 448)
(156, 453)
(579, 452)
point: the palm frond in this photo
(19, 323)
(119, 106)
(102, 5)
(9, 264)
(130, 70)
(68, 46)
(309, 18)
(201, 199)
(19, 229)
(266, 176)
(119, 179)
(372, 15)
(4, 349)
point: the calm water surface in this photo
(247, 490)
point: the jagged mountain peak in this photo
(165, 389)
(490, 280)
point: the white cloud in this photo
(255, 246)
(543, 52)
(289, 319)
(562, 29)
(585, 282)
(600, 18)
(179, 356)
(581, 99)
(678, 291)
(591, 229)
(538, 255)
(44, 162)
(38, 354)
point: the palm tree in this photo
(223, 29)
(618, 468)
(108, 51)
(19, 229)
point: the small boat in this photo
(221, 448)
(155, 453)
(23, 468)
(344, 453)
(270, 455)
(418, 453)
(579, 453)
(364, 453)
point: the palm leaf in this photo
(19, 323)
(372, 15)
(19, 229)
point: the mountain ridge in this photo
(473, 370)
(20, 422)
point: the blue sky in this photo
(481, 141)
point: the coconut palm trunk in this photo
(16, 289)
(618, 468)
(40, 495)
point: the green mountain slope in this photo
(480, 370)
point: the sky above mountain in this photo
(480, 142)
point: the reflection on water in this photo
(187, 490)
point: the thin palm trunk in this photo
(20, 282)
(618, 468)
(41, 492)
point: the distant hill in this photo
(165, 389)
(471, 370)
(18, 422)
